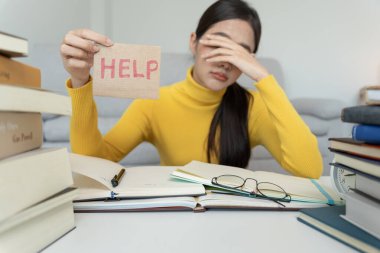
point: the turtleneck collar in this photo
(199, 93)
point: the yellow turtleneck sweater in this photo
(177, 124)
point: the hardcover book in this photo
(19, 132)
(31, 177)
(350, 178)
(363, 211)
(368, 185)
(364, 114)
(328, 220)
(13, 46)
(36, 227)
(367, 133)
(355, 147)
(365, 165)
(16, 98)
(17, 73)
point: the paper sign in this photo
(127, 71)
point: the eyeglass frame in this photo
(254, 194)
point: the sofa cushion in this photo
(57, 129)
(143, 154)
(318, 107)
(317, 126)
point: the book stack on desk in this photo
(355, 173)
(359, 157)
(36, 198)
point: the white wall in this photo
(326, 48)
(43, 21)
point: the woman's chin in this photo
(217, 86)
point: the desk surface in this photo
(211, 231)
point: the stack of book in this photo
(35, 183)
(355, 173)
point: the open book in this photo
(150, 188)
(300, 189)
(93, 178)
(211, 200)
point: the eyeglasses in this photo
(252, 187)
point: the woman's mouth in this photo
(219, 76)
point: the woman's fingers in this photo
(73, 63)
(86, 40)
(80, 43)
(216, 43)
(221, 58)
(68, 51)
(92, 36)
(218, 51)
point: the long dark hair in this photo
(231, 117)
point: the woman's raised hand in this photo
(77, 52)
(226, 50)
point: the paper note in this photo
(127, 71)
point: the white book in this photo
(369, 185)
(27, 99)
(363, 212)
(36, 227)
(31, 177)
(13, 46)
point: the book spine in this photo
(330, 233)
(17, 73)
(366, 133)
(23, 99)
(361, 115)
(19, 132)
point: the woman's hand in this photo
(77, 52)
(233, 53)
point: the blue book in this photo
(328, 220)
(366, 133)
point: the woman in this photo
(206, 117)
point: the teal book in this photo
(328, 220)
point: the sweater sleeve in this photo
(85, 137)
(278, 127)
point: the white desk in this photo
(212, 231)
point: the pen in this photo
(117, 178)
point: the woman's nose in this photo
(225, 65)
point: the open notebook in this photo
(93, 178)
(300, 189)
(150, 188)
(197, 204)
